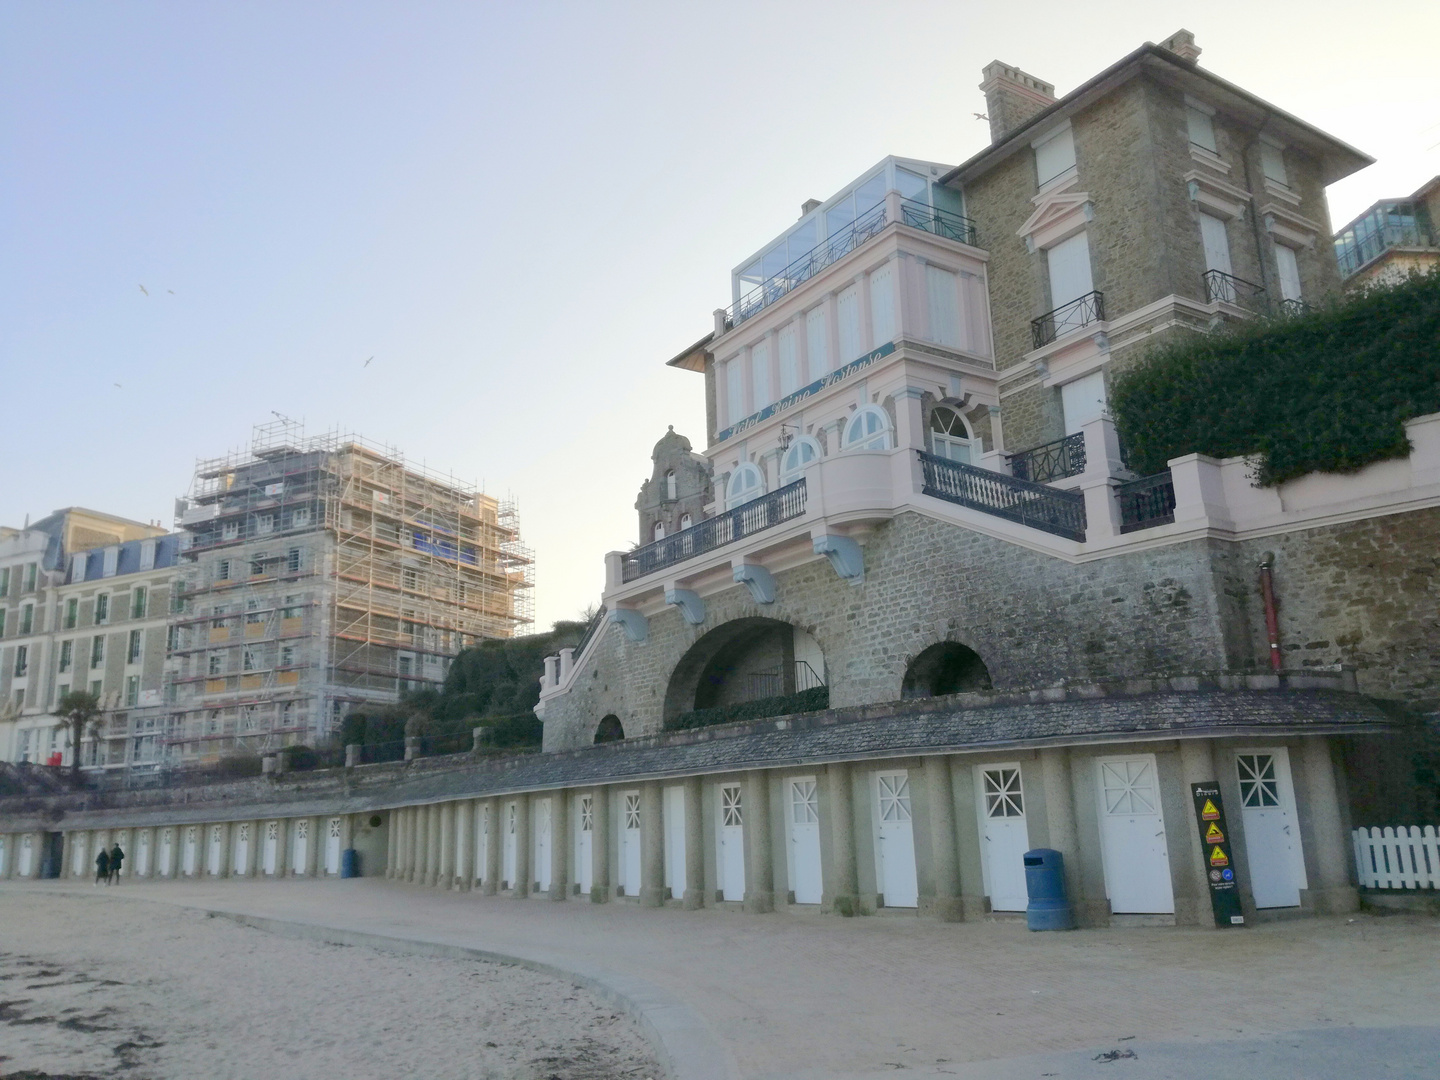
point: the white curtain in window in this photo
(847, 309)
(1289, 272)
(882, 305)
(940, 290)
(1083, 400)
(817, 342)
(1217, 243)
(789, 369)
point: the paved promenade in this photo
(805, 997)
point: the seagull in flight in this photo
(118, 386)
(367, 362)
(144, 290)
(170, 291)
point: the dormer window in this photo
(670, 485)
(658, 532)
(686, 521)
(747, 483)
(868, 429)
(802, 451)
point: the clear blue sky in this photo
(521, 211)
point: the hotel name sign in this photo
(838, 375)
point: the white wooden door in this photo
(1004, 836)
(584, 850)
(1272, 835)
(1132, 837)
(541, 872)
(732, 843)
(27, 854)
(675, 841)
(272, 842)
(1070, 278)
(483, 833)
(895, 847)
(299, 845)
(216, 855)
(1217, 245)
(189, 855)
(142, 854)
(242, 847)
(804, 821)
(167, 849)
(507, 853)
(332, 845)
(630, 844)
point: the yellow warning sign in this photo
(1218, 857)
(1213, 835)
(1208, 811)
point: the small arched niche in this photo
(946, 668)
(610, 730)
(747, 659)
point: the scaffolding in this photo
(327, 572)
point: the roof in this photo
(1339, 159)
(693, 357)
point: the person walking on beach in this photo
(102, 867)
(116, 858)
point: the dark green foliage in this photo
(494, 685)
(1326, 391)
(810, 700)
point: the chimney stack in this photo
(1182, 44)
(808, 205)
(1012, 97)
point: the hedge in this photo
(812, 700)
(1326, 391)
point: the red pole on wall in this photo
(1272, 620)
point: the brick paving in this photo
(801, 994)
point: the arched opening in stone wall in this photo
(610, 730)
(946, 668)
(745, 660)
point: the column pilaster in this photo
(760, 871)
(843, 879)
(944, 855)
(600, 848)
(694, 844)
(652, 846)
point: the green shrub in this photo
(811, 700)
(1327, 391)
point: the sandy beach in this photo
(100, 986)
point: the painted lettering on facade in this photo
(838, 375)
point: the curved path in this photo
(803, 996)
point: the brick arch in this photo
(944, 667)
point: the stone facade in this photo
(679, 488)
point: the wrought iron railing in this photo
(1365, 240)
(591, 628)
(828, 251)
(1289, 309)
(1224, 288)
(1036, 505)
(1147, 502)
(768, 510)
(1050, 461)
(1079, 312)
(940, 222)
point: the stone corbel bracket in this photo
(758, 580)
(845, 556)
(689, 603)
(635, 625)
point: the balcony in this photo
(1050, 461)
(1384, 227)
(1147, 502)
(780, 505)
(1061, 513)
(1082, 311)
(1223, 288)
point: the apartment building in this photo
(1392, 239)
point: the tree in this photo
(79, 712)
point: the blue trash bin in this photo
(349, 863)
(1045, 883)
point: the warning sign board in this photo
(1210, 817)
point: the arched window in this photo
(670, 485)
(658, 532)
(746, 483)
(803, 450)
(868, 429)
(946, 668)
(686, 521)
(610, 730)
(949, 437)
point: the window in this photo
(300, 517)
(102, 609)
(1201, 127)
(222, 570)
(746, 483)
(760, 375)
(72, 613)
(686, 521)
(19, 698)
(1289, 272)
(847, 312)
(868, 429)
(132, 691)
(2, 622)
(1083, 401)
(817, 341)
(949, 437)
(230, 530)
(67, 655)
(291, 610)
(292, 561)
(1272, 164)
(97, 651)
(252, 612)
(942, 293)
(670, 485)
(788, 366)
(97, 687)
(734, 391)
(1217, 243)
(882, 305)
(264, 524)
(30, 572)
(139, 600)
(1054, 156)
(658, 532)
(287, 656)
(216, 622)
(409, 579)
(132, 654)
(216, 663)
(22, 661)
(257, 565)
(4, 581)
(172, 639)
(1068, 266)
(60, 692)
(801, 452)
(249, 661)
(27, 618)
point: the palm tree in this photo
(79, 712)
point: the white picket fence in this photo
(1403, 858)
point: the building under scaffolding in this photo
(324, 573)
